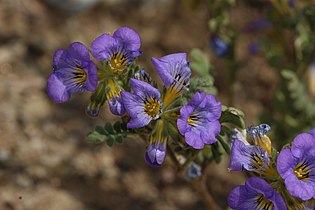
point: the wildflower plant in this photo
(182, 121)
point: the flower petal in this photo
(128, 37)
(102, 46)
(56, 90)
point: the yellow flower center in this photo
(152, 107)
(172, 93)
(192, 120)
(263, 203)
(80, 76)
(117, 62)
(302, 171)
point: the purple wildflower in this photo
(257, 194)
(73, 71)
(296, 165)
(119, 50)
(143, 105)
(173, 69)
(156, 154)
(248, 157)
(199, 120)
(219, 47)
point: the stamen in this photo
(193, 120)
(302, 171)
(257, 161)
(75, 79)
(263, 203)
(118, 61)
(152, 107)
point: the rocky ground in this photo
(45, 160)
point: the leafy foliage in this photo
(110, 133)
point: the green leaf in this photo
(110, 141)
(109, 128)
(233, 116)
(117, 126)
(216, 152)
(119, 139)
(100, 130)
(95, 137)
(200, 62)
(226, 146)
(111, 133)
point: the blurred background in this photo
(45, 160)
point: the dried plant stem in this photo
(200, 185)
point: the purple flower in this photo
(73, 71)
(173, 69)
(199, 120)
(257, 194)
(143, 105)
(248, 157)
(119, 50)
(156, 154)
(296, 165)
(219, 47)
(116, 106)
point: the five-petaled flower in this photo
(118, 50)
(257, 194)
(143, 105)
(175, 73)
(73, 71)
(199, 120)
(296, 165)
(247, 157)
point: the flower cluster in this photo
(289, 176)
(182, 119)
(132, 94)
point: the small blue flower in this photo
(257, 194)
(219, 47)
(193, 171)
(143, 105)
(119, 50)
(73, 71)
(199, 120)
(253, 48)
